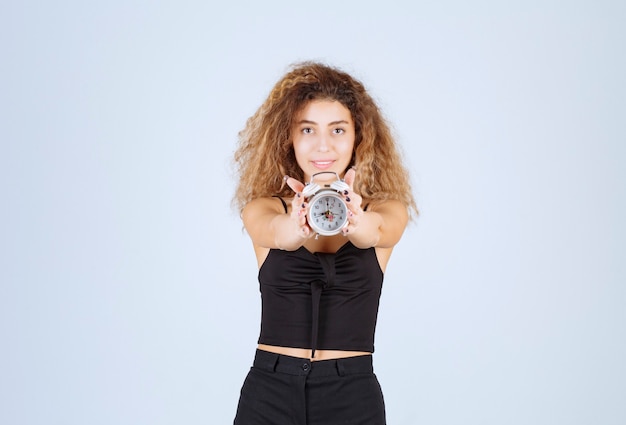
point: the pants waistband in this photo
(280, 363)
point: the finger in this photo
(299, 210)
(349, 177)
(354, 217)
(353, 223)
(294, 184)
(305, 231)
(353, 201)
(348, 230)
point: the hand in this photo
(353, 201)
(299, 208)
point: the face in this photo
(323, 138)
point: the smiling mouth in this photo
(322, 164)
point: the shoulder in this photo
(391, 207)
(259, 219)
(262, 206)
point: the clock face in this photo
(328, 213)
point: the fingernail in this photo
(286, 178)
(345, 192)
(298, 195)
(302, 206)
(347, 199)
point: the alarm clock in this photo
(328, 211)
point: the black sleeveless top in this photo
(320, 301)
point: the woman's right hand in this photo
(299, 208)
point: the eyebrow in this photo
(330, 123)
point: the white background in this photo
(128, 289)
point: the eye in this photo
(307, 130)
(338, 131)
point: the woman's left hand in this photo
(353, 201)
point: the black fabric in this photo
(293, 391)
(282, 201)
(320, 301)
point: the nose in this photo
(322, 145)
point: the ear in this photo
(349, 177)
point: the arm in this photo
(381, 226)
(269, 226)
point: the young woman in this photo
(318, 128)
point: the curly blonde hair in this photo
(265, 151)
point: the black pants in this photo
(283, 390)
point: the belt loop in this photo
(341, 370)
(274, 362)
(266, 360)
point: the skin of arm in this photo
(269, 226)
(381, 226)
